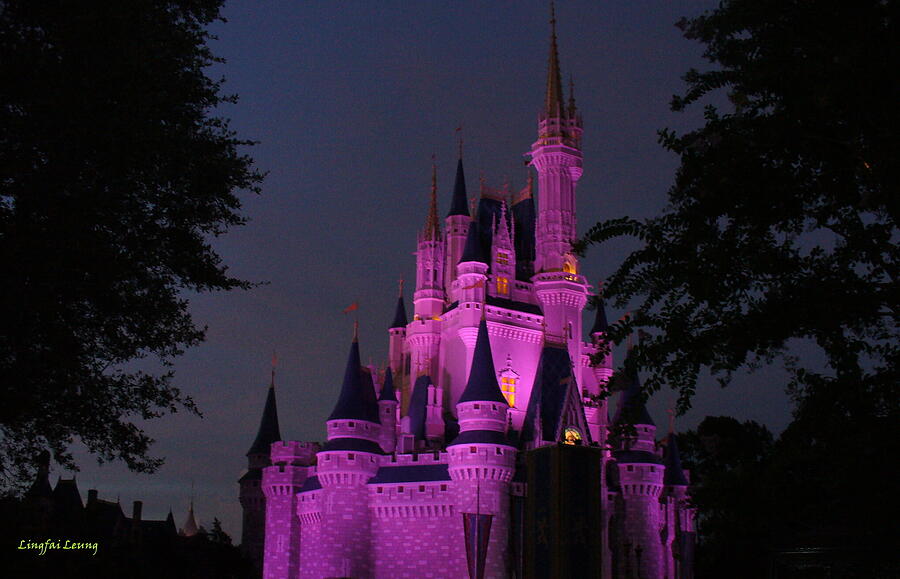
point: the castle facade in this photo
(426, 469)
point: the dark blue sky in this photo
(348, 102)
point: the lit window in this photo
(508, 387)
(502, 258)
(502, 285)
(572, 436)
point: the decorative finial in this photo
(571, 96)
(460, 139)
(356, 330)
(400, 290)
(432, 227)
(671, 412)
(553, 99)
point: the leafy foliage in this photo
(782, 221)
(813, 487)
(114, 175)
(728, 461)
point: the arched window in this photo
(509, 379)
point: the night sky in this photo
(348, 102)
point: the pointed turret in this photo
(432, 226)
(473, 250)
(353, 403)
(601, 325)
(553, 101)
(387, 409)
(399, 313)
(482, 385)
(631, 405)
(268, 426)
(418, 407)
(190, 528)
(459, 205)
(41, 488)
(674, 473)
(387, 389)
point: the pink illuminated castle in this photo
(483, 449)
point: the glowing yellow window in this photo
(502, 257)
(569, 267)
(508, 387)
(502, 285)
(572, 436)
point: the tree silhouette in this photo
(115, 175)
(782, 221)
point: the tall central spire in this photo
(553, 102)
(432, 227)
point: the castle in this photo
(453, 461)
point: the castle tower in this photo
(503, 257)
(424, 334)
(398, 353)
(345, 464)
(680, 535)
(640, 472)
(596, 405)
(253, 501)
(387, 412)
(457, 226)
(280, 483)
(556, 155)
(471, 289)
(524, 219)
(482, 462)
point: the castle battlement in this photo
(415, 458)
(429, 511)
(280, 480)
(294, 452)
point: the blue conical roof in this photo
(482, 385)
(399, 314)
(472, 250)
(631, 405)
(387, 389)
(369, 395)
(418, 410)
(600, 323)
(674, 474)
(268, 425)
(460, 203)
(353, 402)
